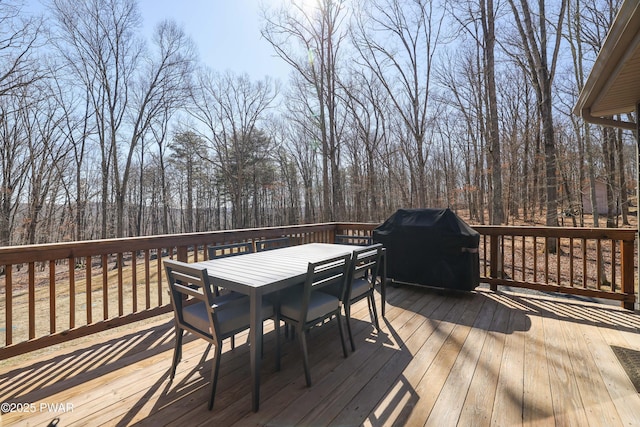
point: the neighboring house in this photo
(601, 198)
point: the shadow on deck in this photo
(441, 358)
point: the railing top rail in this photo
(50, 251)
(542, 231)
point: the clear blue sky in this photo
(226, 32)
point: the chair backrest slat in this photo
(265, 245)
(364, 263)
(231, 249)
(348, 239)
(186, 290)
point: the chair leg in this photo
(374, 312)
(177, 352)
(344, 346)
(347, 315)
(205, 353)
(214, 374)
(276, 322)
(305, 356)
(289, 332)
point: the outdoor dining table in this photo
(262, 273)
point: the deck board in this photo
(480, 395)
(451, 400)
(537, 384)
(508, 404)
(445, 347)
(439, 359)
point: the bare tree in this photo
(488, 17)
(231, 107)
(461, 75)
(13, 153)
(575, 30)
(163, 85)
(515, 124)
(301, 142)
(19, 38)
(535, 46)
(621, 177)
(478, 18)
(310, 41)
(96, 39)
(397, 41)
(187, 148)
(587, 24)
(76, 131)
(289, 175)
(45, 162)
(126, 89)
(367, 104)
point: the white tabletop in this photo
(270, 270)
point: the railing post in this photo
(8, 280)
(494, 251)
(627, 268)
(182, 254)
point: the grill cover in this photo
(431, 247)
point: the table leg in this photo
(255, 338)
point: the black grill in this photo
(430, 247)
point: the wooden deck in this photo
(455, 359)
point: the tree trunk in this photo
(622, 180)
(488, 25)
(608, 151)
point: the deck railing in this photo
(592, 262)
(57, 292)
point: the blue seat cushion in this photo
(320, 304)
(359, 287)
(230, 316)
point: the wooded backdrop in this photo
(389, 104)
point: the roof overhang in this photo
(613, 86)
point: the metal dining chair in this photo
(305, 307)
(224, 251)
(365, 264)
(197, 311)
